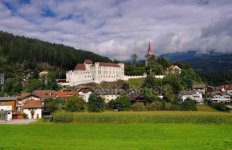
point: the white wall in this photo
(197, 97)
(36, 111)
(85, 96)
(97, 74)
(9, 112)
(107, 98)
(221, 98)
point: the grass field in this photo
(115, 136)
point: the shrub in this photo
(122, 103)
(138, 106)
(25, 116)
(220, 106)
(167, 106)
(156, 105)
(52, 105)
(111, 104)
(75, 104)
(96, 103)
(176, 107)
(189, 105)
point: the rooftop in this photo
(33, 104)
(108, 64)
(88, 61)
(199, 86)
(173, 67)
(187, 92)
(8, 98)
(80, 67)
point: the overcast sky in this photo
(118, 28)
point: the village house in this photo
(24, 97)
(45, 94)
(173, 69)
(192, 94)
(43, 74)
(8, 105)
(136, 97)
(220, 98)
(200, 88)
(228, 89)
(84, 93)
(65, 94)
(110, 94)
(9, 101)
(33, 109)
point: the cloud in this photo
(118, 28)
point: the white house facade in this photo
(221, 98)
(97, 72)
(33, 109)
(194, 95)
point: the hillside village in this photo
(163, 86)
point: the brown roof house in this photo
(8, 106)
(24, 97)
(45, 94)
(228, 89)
(33, 109)
(173, 69)
(200, 88)
(137, 97)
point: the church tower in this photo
(148, 55)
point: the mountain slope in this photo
(18, 49)
(207, 62)
(221, 63)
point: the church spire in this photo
(148, 55)
(149, 49)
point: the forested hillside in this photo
(21, 60)
(19, 49)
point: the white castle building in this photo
(97, 72)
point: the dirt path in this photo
(19, 121)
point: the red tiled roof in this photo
(64, 94)
(108, 64)
(80, 67)
(88, 61)
(22, 95)
(45, 93)
(228, 87)
(32, 104)
(26, 95)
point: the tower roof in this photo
(149, 49)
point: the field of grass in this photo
(135, 83)
(199, 117)
(205, 108)
(116, 136)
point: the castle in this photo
(97, 72)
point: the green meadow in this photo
(116, 136)
(123, 130)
